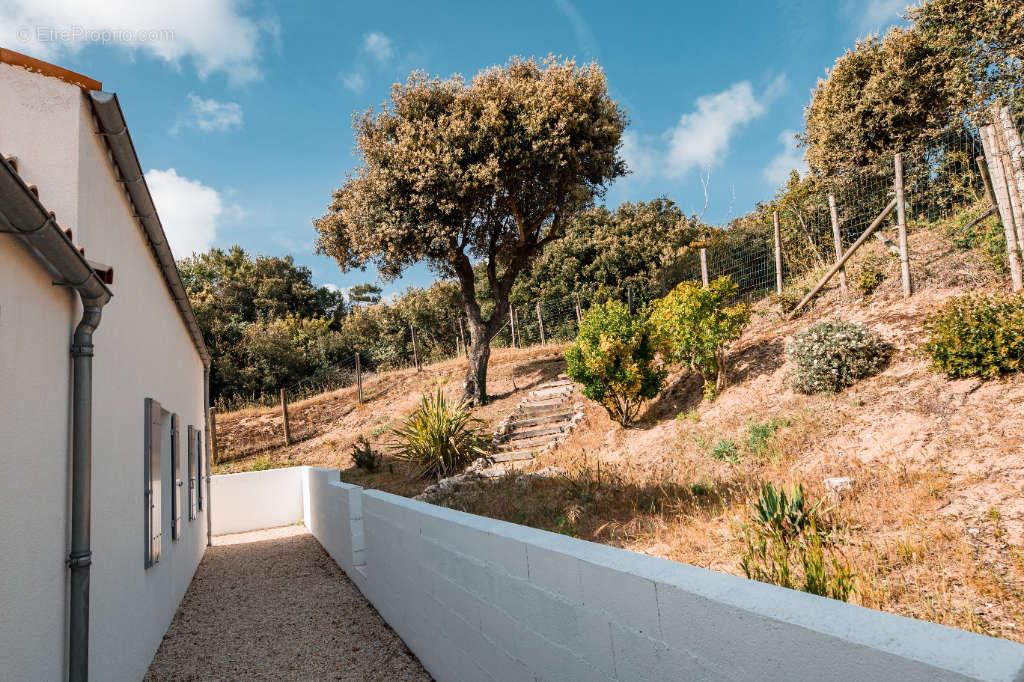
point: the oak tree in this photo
(488, 171)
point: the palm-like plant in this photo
(440, 436)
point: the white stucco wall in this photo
(142, 350)
(256, 499)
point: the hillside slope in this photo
(933, 517)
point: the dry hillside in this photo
(932, 523)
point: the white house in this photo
(104, 497)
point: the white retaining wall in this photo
(256, 499)
(479, 599)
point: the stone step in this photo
(512, 455)
(534, 442)
(533, 433)
(552, 418)
(532, 404)
(539, 410)
(562, 381)
(549, 388)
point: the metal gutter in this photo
(24, 216)
(114, 130)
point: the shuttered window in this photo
(192, 483)
(176, 481)
(153, 481)
(200, 467)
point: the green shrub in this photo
(614, 359)
(759, 435)
(364, 456)
(986, 236)
(695, 326)
(786, 546)
(869, 279)
(725, 450)
(439, 436)
(789, 298)
(832, 355)
(977, 335)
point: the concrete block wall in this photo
(479, 599)
(256, 499)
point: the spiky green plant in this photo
(440, 436)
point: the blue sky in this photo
(241, 112)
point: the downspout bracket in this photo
(80, 559)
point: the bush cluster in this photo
(614, 359)
(977, 335)
(870, 278)
(832, 355)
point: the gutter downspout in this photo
(81, 490)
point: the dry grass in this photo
(933, 524)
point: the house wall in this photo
(479, 599)
(142, 349)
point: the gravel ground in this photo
(272, 605)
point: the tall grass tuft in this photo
(440, 436)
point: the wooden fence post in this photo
(540, 324)
(579, 310)
(284, 415)
(778, 255)
(901, 223)
(1012, 151)
(704, 266)
(359, 381)
(213, 435)
(415, 347)
(990, 195)
(996, 172)
(512, 324)
(837, 239)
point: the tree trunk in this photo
(479, 354)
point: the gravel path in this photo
(272, 605)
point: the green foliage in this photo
(789, 299)
(760, 435)
(977, 335)
(365, 293)
(695, 327)
(364, 456)
(725, 451)
(832, 355)
(440, 436)
(785, 546)
(870, 278)
(614, 358)
(261, 464)
(986, 236)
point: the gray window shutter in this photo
(152, 482)
(176, 481)
(200, 466)
(191, 473)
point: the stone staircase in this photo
(543, 418)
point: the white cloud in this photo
(789, 159)
(584, 36)
(874, 15)
(209, 115)
(189, 210)
(702, 137)
(331, 287)
(215, 34)
(356, 82)
(378, 46)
